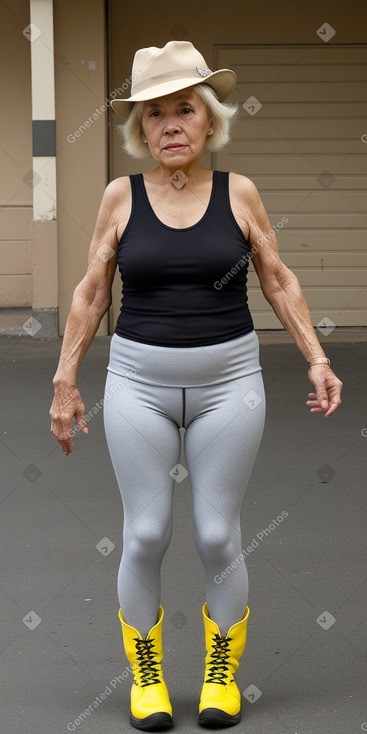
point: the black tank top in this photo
(183, 287)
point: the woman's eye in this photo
(186, 110)
(155, 113)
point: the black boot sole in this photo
(155, 722)
(218, 719)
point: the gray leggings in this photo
(216, 394)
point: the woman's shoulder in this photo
(241, 183)
(117, 193)
(118, 186)
(116, 200)
(243, 188)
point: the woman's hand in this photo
(66, 405)
(328, 388)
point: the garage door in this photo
(301, 137)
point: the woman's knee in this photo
(217, 544)
(147, 540)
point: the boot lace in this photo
(218, 667)
(146, 662)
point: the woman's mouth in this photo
(175, 147)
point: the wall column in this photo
(44, 232)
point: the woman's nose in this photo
(172, 126)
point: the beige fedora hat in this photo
(160, 71)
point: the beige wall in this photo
(313, 106)
(81, 166)
(209, 26)
(15, 157)
(81, 162)
(81, 87)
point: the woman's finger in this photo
(313, 404)
(63, 436)
(80, 421)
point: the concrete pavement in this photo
(304, 668)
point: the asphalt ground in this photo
(304, 667)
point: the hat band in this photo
(161, 78)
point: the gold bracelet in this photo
(319, 360)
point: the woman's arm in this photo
(91, 300)
(282, 290)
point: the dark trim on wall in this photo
(44, 137)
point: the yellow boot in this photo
(220, 702)
(151, 709)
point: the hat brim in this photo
(222, 81)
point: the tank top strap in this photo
(220, 193)
(139, 200)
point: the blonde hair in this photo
(223, 115)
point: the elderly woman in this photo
(184, 355)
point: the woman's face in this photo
(176, 127)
